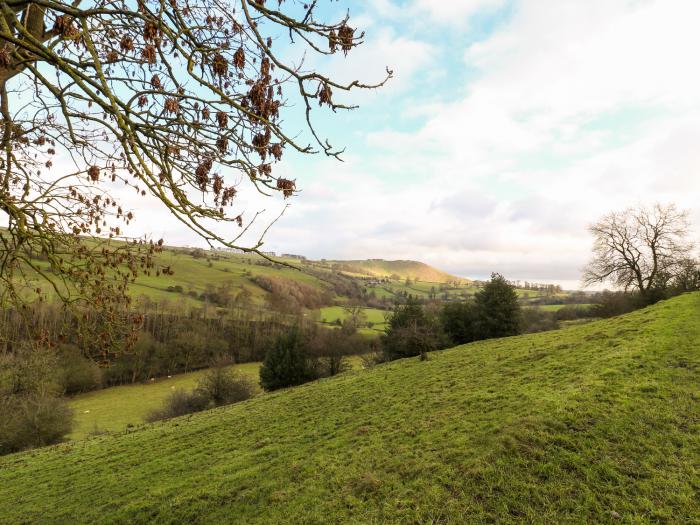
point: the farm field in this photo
(595, 423)
(113, 409)
(331, 314)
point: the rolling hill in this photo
(398, 269)
(595, 423)
(194, 271)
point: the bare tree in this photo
(179, 99)
(639, 248)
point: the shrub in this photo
(224, 387)
(179, 403)
(610, 304)
(536, 320)
(572, 312)
(29, 372)
(411, 332)
(28, 421)
(372, 359)
(76, 372)
(287, 363)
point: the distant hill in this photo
(596, 423)
(399, 269)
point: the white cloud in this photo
(576, 110)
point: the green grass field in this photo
(332, 313)
(557, 307)
(112, 409)
(117, 408)
(597, 423)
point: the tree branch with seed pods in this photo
(179, 100)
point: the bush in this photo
(535, 320)
(573, 312)
(29, 421)
(610, 304)
(31, 414)
(29, 372)
(217, 387)
(372, 359)
(287, 363)
(179, 403)
(76, 372)
(497, 309)
(412, 332)
(224, 387)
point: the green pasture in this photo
(113, 409)
(596, 423)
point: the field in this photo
(117, 408)
(597, 423)
(557, 307)
(331, 314)
(113, 409)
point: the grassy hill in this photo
(401, 269)
(199, 274)
(595, 423)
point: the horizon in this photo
(499, 140)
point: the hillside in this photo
(397, 269)
(195, 273)
(594, 423)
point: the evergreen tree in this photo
(458, 321)
(287, 363)
(497, 309)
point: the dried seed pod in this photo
(219, 65)
(346, 35)
(126, 43)
(286, 186)
(94, 173)
(332, 41)
(171, 105)
(222, 119)
(324, 95)
(151, 32)
(149, 54)
(239, 58)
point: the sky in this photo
(508, 128)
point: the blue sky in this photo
(509, 127)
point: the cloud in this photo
(565, 111)
(574, 110)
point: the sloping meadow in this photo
(594, 423)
